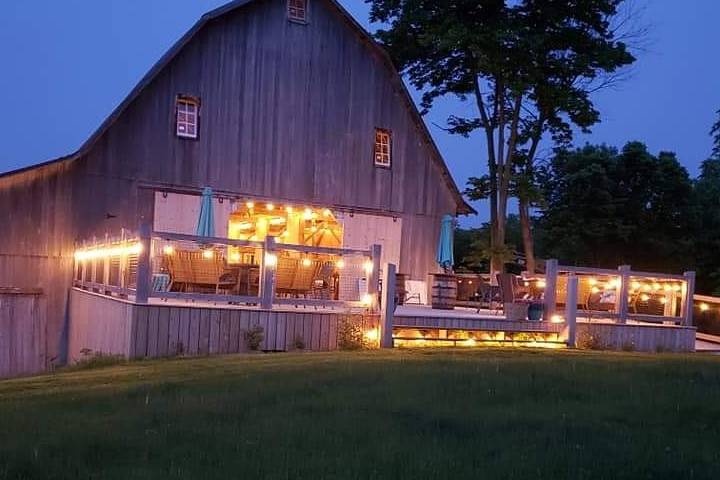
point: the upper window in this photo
(186, 117)
(297, 10)
(383, 147)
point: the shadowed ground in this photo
(481, 413)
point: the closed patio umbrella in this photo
(445, 257)
(206, 225)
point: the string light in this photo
(104, 252)
(208, 254)
(340, 263)
(368, 265)
(168, 250)
(250, 205)
(704, 307)
(306, 262)
(270, 207)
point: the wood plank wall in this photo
(451, 323)
(639, 338)
(113, 326)
(23, 333)
(98, 324)
(166, 331)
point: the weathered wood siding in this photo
(636, 337)
(288, 113)
(23, 333)
(36, 241)
(99, 326)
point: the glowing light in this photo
(340, 263)
(470, 342)
(372, 335)
(469, 282)
(595, 290)
(656, 286)
(118, 250)
(592, 281)
(636, 285)
(646, 288)
(541, 284)
(313, 229)
(663, 300)
(277, 221)
(368, 266)
(271, 260)
(678, 288)
(168, 250)
(235, 257)
(306, 262)
(289, 209)
(557, 319)
(704, 307)
(367, 300)
(307, 214)
(327, 212)
(615, 283)
(667, 287)
(245, 226)
(644, 297)
(208, 253)
(250, 205)
(270, 207)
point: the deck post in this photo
(267, 292)
(142, 290)
(571, 311)
(373, 280)
(687, 305)
(550, 298)
(622, 293)
(388, 306)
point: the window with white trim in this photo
(186, 117)
(297, 10)
(383, 148)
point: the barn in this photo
(274, 136)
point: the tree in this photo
(607, 208)
(706, 228)
(529, 66)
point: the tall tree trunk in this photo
(527, 236)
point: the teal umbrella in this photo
(206, 225)
(445, 255)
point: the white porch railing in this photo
(622, 294)
(267, 274)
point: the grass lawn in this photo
(391, 415)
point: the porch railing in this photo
(267, 274)
(622, 294)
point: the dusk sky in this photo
(67, 64)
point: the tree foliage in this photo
(607, 208)
(529, 66)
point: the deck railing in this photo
(108, 265)
(268, 274)
(622, 294)
(707, 314)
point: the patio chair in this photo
(294, 279)
(190, 270)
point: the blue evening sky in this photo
(66, 64)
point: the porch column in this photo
(551, 274)
(571, 311)
(142, 292)
(269, 264)
(687, 305)
(387, 312)
(622, 293)
(374, 276)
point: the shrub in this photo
(254, 337)
(590, 341)
(91, 360)
(299, 342)
(350, 335)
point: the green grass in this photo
(395, 415)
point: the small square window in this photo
(297, 10)
(186, 117)
(383, 148)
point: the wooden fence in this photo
(23, 332)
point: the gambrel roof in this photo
(462, 206)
